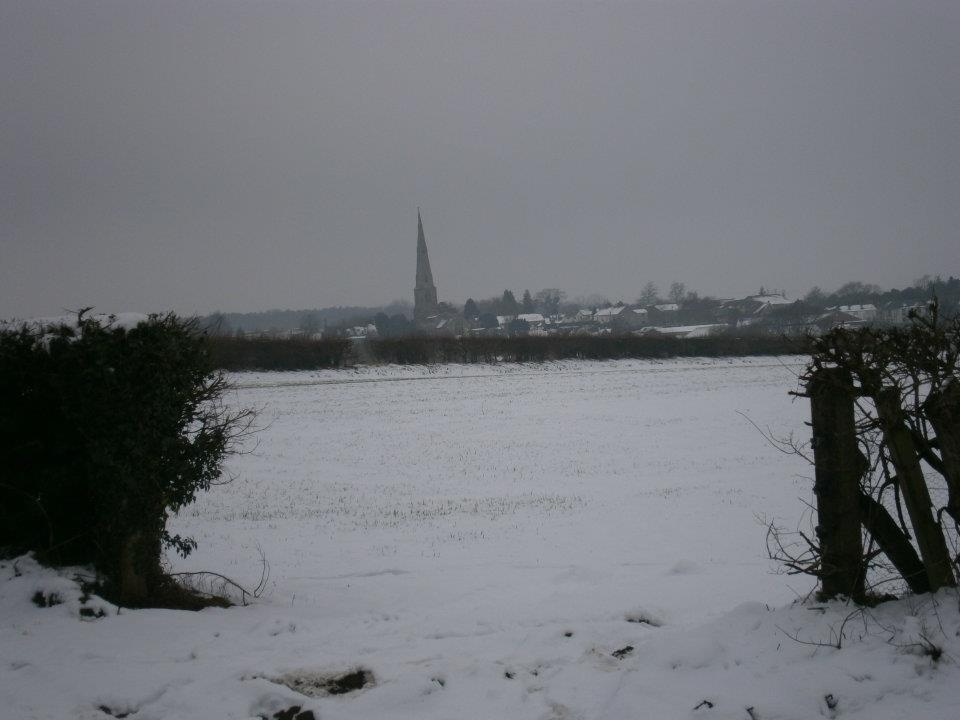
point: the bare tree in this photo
(650, 295)
(678, 291)
(548, 300)
(310, 324)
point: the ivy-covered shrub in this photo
(105, 430)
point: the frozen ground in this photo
(484, 540)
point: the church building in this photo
(425, 292)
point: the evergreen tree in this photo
(470, 309)
(488, 321)
(528, 306)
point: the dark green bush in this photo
(233, 353)
(423, 349)
(103, 432)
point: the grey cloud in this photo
(246, 155)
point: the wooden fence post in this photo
(838, 467)
(913, 489)
(943, 411)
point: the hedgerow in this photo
(104, 431)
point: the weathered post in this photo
(895, 545)
(913, 489)
(943, 411)
(838, 467)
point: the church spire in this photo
(424, 276)
(425, 292)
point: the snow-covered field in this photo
(575, 540)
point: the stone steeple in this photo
(425, 292)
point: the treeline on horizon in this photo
(309, 321)
(239, 354)
(550, 301)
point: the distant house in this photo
(536, 324)
(898, 313)
(750, 310)
(455, 326)
(765, 302)
(621, 318)
(606, 315)
(361, 332)
(663, 314)
(837, 318)
(532, 318)
(864, 313)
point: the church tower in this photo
(425, 292)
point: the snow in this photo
(610, 311)
(483, 540)
(689, 331)
(772, 299)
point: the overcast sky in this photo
(246, 155)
